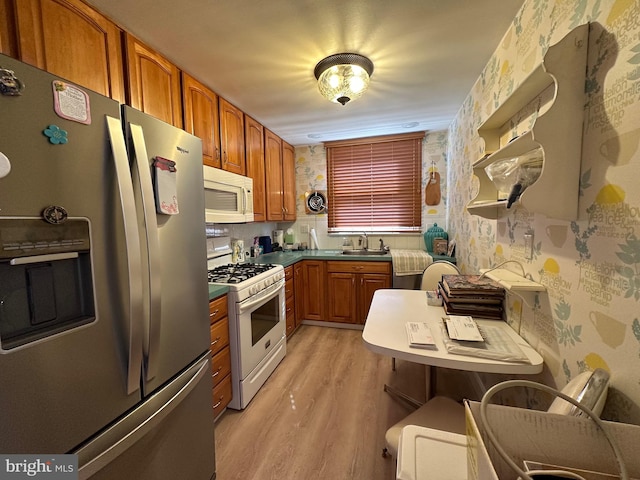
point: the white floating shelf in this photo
(512, 281)
(557, 85)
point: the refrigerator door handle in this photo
(146, 423)
(127, 201)
(43, 258)
(153, 285)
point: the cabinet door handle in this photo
(224, 156)
(215, 341)
(216, 405)
(214, 313)
(217, 372)
(217, 153)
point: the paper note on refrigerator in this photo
(166, 192)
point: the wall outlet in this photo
(304, 228)
(528, 246)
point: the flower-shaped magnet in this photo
(56, 134)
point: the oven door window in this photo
(264, 318)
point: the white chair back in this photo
(433, 274)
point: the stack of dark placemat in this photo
(472, 295)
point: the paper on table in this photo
(497, 345)
(463, 327)
(419, 335)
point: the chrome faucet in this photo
(364, 241)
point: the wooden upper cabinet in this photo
(254, 142)
(273, 166)
(8, 37)
(154, 83)
(232, 137)
(69, 39)
(201, 118)
(288, 182)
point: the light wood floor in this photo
(321, 415)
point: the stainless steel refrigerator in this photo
(104, 329)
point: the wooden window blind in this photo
(374, 184)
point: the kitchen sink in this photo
(364, 252)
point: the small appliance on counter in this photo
(278, 239)
(265, 243)
(237, 251)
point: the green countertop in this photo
(289, 258)
(215, 290)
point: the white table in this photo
(384, 332)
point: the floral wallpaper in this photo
(588, 316)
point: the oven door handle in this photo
(263, 297)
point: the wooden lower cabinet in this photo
(298, 282)
(337, 291)
(289, 293)
(313, 272)
(220, 366)
(350, 288)
(220, 354)
(221, 396)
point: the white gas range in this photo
(256, 318)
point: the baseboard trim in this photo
(318, 323)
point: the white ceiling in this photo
(260, 56)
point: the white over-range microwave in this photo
(228, 197)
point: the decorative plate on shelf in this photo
(315, 201)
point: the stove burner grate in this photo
(237, 273)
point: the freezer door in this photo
(59, 388)
(173, 247)
(170, 436)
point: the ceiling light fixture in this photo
(343, 77)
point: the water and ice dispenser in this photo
(45, 279)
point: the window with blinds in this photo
(374, 184)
